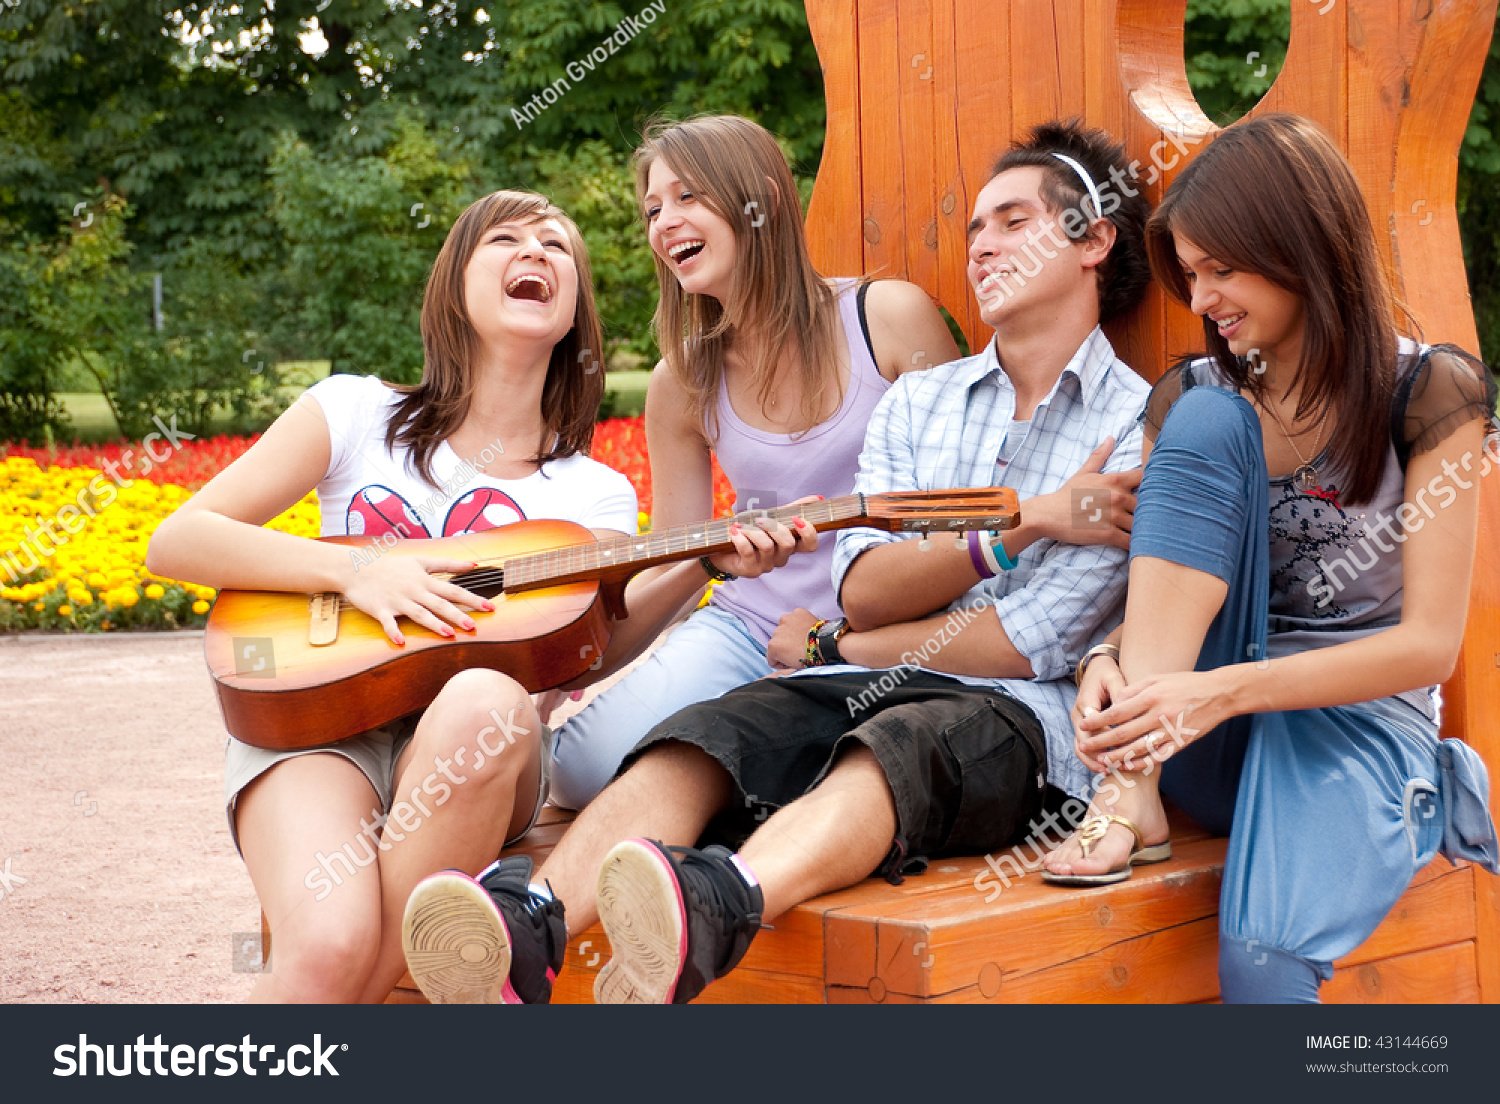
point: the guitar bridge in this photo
(323, 619)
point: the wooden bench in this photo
(947, 84)
(936, 939)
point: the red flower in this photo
(618, 442)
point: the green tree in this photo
(361, 232)
(272, 152)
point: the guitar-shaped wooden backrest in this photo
(923, 95)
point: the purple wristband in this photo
(976, 556)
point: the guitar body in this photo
(278, 689)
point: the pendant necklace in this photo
(1305, 478)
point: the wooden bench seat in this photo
(1154, 938)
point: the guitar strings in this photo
(579, 556)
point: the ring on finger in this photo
(1151, 743)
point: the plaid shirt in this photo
(945, 428)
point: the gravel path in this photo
(119, 881)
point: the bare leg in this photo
(315, 873)
(832, 837)
(670, 793)
(466, 782)
(1168, 611)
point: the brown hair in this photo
(736, 169)
(430, 412)
(1273, 196)
(1125, 274)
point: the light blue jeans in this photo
(707, 655)
(1330, 812)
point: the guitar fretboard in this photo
(626, 555)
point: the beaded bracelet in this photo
(813, 656)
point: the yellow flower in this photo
(65, 610)
(39, 606)
(127, 596)
(154, 591)
(97, 580)
(200, 606)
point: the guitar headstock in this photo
(946, 511)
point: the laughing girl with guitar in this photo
(495, 432)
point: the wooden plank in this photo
(1439, 88)
(833, 215)
(931, 946)
(916, 106)
(1037, 71)
(1487, 933)
(1312, 82)
(983, 114)
(1444, 975)
(749, 986)
(881, 129)
(1175, 965)
(951, 290)
(1436, 911)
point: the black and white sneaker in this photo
(484, 940)
(676, 917)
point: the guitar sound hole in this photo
(487, 582)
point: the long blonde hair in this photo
(735, 168)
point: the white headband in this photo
(1088, 182)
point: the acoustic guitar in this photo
(298, 670)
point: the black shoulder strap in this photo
(864, 321)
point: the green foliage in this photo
(274, 183)
(595, 186)
(361, 232)
(1479, 205)
(1219, 38)
(29, 354)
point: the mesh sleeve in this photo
(1449, 389)
(1164, 393)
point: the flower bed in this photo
(75, 523)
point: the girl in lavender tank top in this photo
(773, 368)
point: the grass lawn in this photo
(625, 396)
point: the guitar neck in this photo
(621, 557)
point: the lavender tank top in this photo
(772, 469)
